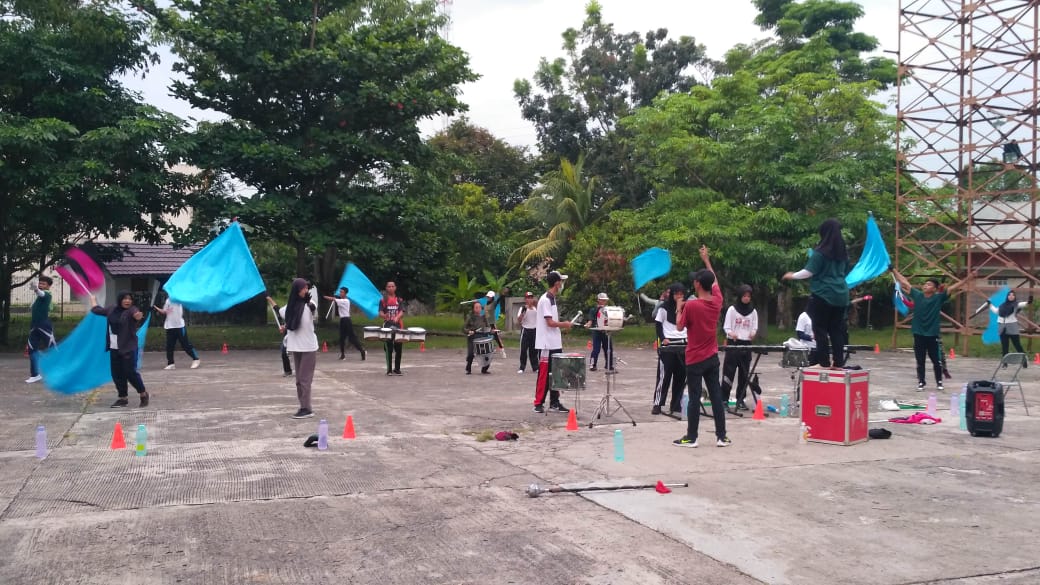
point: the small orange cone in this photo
(324, 347)
(572, 421)
(348, 429)
(759, 414)
(422, 346)
(118, 442)
(223, 349)
(877, 348)
(1036, 359)
(588, 345)
(952, 355)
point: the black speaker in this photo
(984, 408)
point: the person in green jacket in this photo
(925, 323)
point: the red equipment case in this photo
(835, 405)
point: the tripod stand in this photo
(605, 407)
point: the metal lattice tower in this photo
(968, 142)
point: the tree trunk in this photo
(326, 273)
(301, 260)
(783, 309)
(5, 303)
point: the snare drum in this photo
(568, 371)
(611, 318)
(673, 346)
(372, 332)
(483, 346)
(795, 358)
(413, 334)
(387, 333)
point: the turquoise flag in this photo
(649, 265)
(900, 301)
(992, 333)
(875, 259)
(360, 290)
(217, 277)
(80, 362)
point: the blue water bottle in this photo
(41, 442)
(785, 406)
(963, 424)
(323, 435)
(619, 446)
(141, 449)
(685, 405)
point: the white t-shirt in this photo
(547, 337)
(343, 307)
(805, 326)
(528, 319)
(668, 328)
(303, 338)
(174, 315)
(740, 327)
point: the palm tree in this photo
(563, 206)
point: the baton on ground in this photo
(534, 490)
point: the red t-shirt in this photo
(700, 317)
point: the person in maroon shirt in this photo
(700, 318)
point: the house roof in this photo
(141, 259)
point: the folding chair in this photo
(1007, 374)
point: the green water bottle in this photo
(141, 448)
(619, 446)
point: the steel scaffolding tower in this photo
(967, 147)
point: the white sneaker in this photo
(195, 364)
(33, 379)
(503, 353)
(520, 371)
(723, 442)
(171, 367)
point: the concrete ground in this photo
(228, 494)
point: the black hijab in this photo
(294, 308)
(669, 304)
(831, 245)
(117, 318)
(742, 307)
(1007, 308)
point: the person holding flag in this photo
(123, 319)
(41, 330)
(346, 325)
(300, 340)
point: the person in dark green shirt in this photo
(41, 330)
(925, 323)
(829, 302)
(476, 322)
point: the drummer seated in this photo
(476, 321)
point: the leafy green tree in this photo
(323, 101)
(576, 103)
(505, 172)
(81, 157)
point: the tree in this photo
(504, 172)
(81, 157)
(323, 100)
(576, 103)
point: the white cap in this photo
(490, 294)
(602, 297)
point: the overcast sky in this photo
(506, 38)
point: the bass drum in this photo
(611, 319)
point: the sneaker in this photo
(121, 403)
(33, 379)
(303, 413)
(342, 357)
(398, 373)
(538, 408)
(685, 442)
(592, 368)
(171, 367)
(723, 442)
(655, 410)
(484, 370)
(468, 371)
(144, 399)
(286, 374)
(920, 386)
(558, 408)
(741, 405)
(195, 364)
(939, 387)
(364, 354)
(520, 371)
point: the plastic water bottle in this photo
(141, 448)
(323, 435)
(785, 406)
(685, 405)
(619, 446)
(963, 425)
(932, 409)
(41, 442)
(955, 404)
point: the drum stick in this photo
(329, 312)
(276, 320)
(576, 317)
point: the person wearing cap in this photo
(699, 317)
(549, 340)
(527, 320)
(490, 307)
(600, 339)
(476, 322)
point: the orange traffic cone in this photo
(1036, 359)
(118, 442)
(759, 413)
(223, 348)
(877, 348)
(324, 347)
(572, 421)
(422, 346)
(952, 354)
(588, 345)
(348, 430)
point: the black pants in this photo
(830, 328)
(392, 349)
(124, 370)
(527, 350)
(346, 333)
(471, 354)
(543, 381)
(736, 363)
(286, 364)
(179, 335)
(41, 337)
(671, 370)
(708, 371)
(1005, 338)
(601, 340)
(927, 344)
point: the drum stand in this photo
(605, 407)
